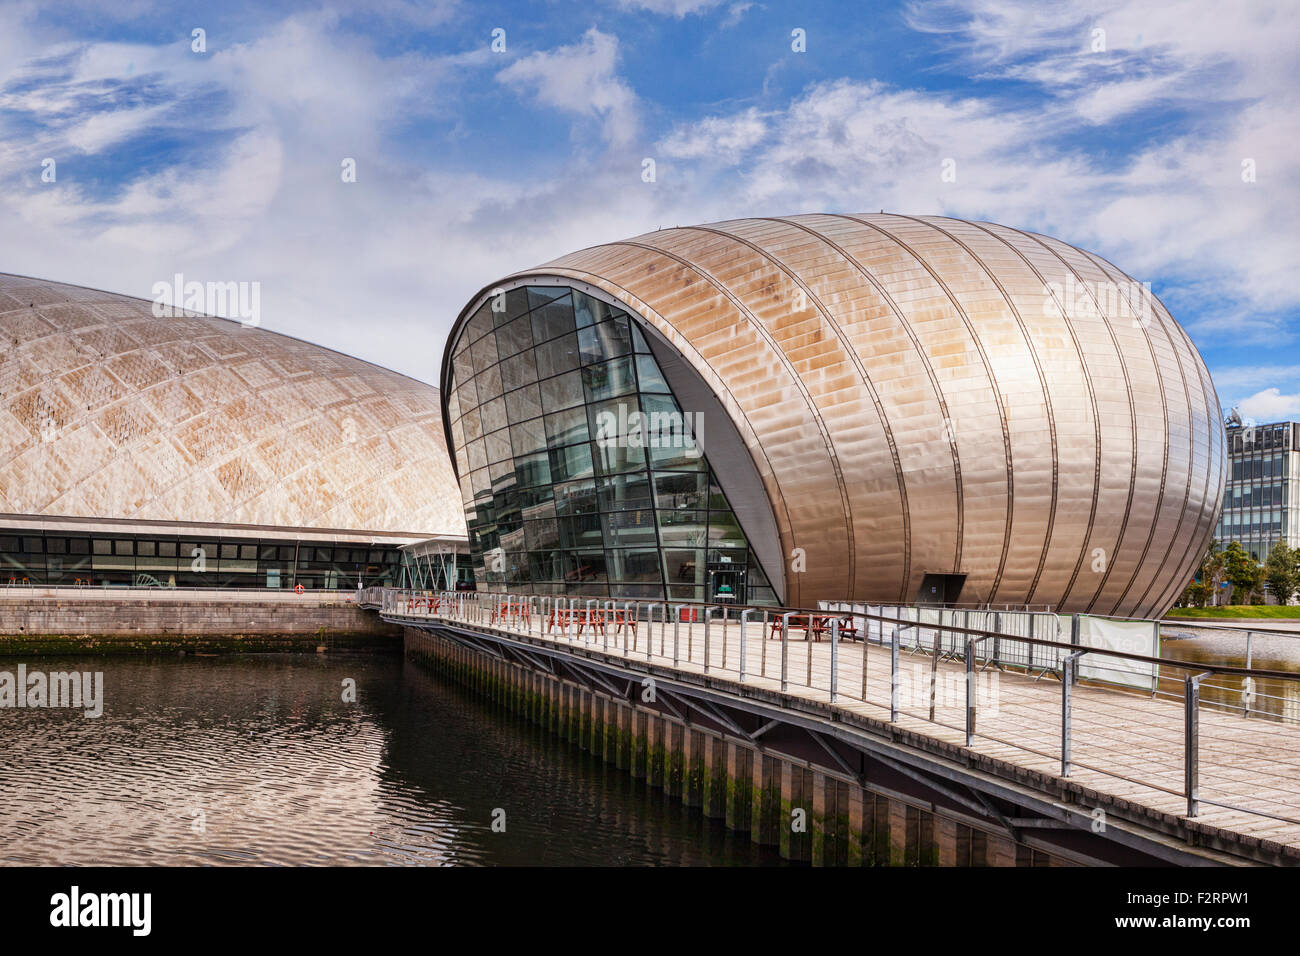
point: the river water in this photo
(257, 759)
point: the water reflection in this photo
(1269, 697)
(257, 760)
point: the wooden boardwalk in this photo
(1126, 745)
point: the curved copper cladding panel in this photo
(923, 395)
(108, 411)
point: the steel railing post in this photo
(971, 699)
(677, 623)
(785, 649)
(1067, 709)
(893, 676)
(835, 655)
(1155, 652)
(650, 634)
(707, 610)
(631, 613)
(1191, 742)
(744, 618)
(865, 631)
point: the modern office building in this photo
(1262, 502)
(194, 451)
(882, 407)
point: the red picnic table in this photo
(814, 625)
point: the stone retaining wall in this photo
(209, 623)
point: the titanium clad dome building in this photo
(129, 441)
(883, 408)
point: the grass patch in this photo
(1238, 611)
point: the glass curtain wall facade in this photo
(580, 473)
(96, 560)
(1261, 503)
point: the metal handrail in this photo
(466, 607)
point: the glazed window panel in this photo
(649, 377)
(463, 365)
(724, 530)
(467, 392)
(613, 458)
(493, 414)
(512, 543)
(540, 295)
(489, 384)
(622, 590)
(498, 446)
(557, 356)
(540, 503)
(524, 403)
(588, 566)
(580, 531)
(609, 339)
(483, 353)
(462, 343)
(608, 379)
(528, 437)
(675, 490)
(576, 497)
(473, 425)
(571, 462)
(477, 454)
(588, 311)
(567, 427)
(612, 421)
(542, 535)
(547, 565)
(515, 336)
(683, 528)
(532, 470)
(518, 371)
(624, 529)
(678, 458)
(633, 566)
(629, 492)
(502, 475)
(481, 323)
(551, 321)
(638, 340)
(563, 391)
(684, 566)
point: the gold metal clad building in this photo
(129, 442)
(889, 408)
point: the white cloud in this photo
(1270, 405)
(735, 13)
(722, 138)
(673, 8)
(379, 268)
(580, 79)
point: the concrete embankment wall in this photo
(752, 790)
(59, 622)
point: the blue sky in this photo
(225, 165)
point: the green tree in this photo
(1242, 571)
(1204, 585)
(1281, 571)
